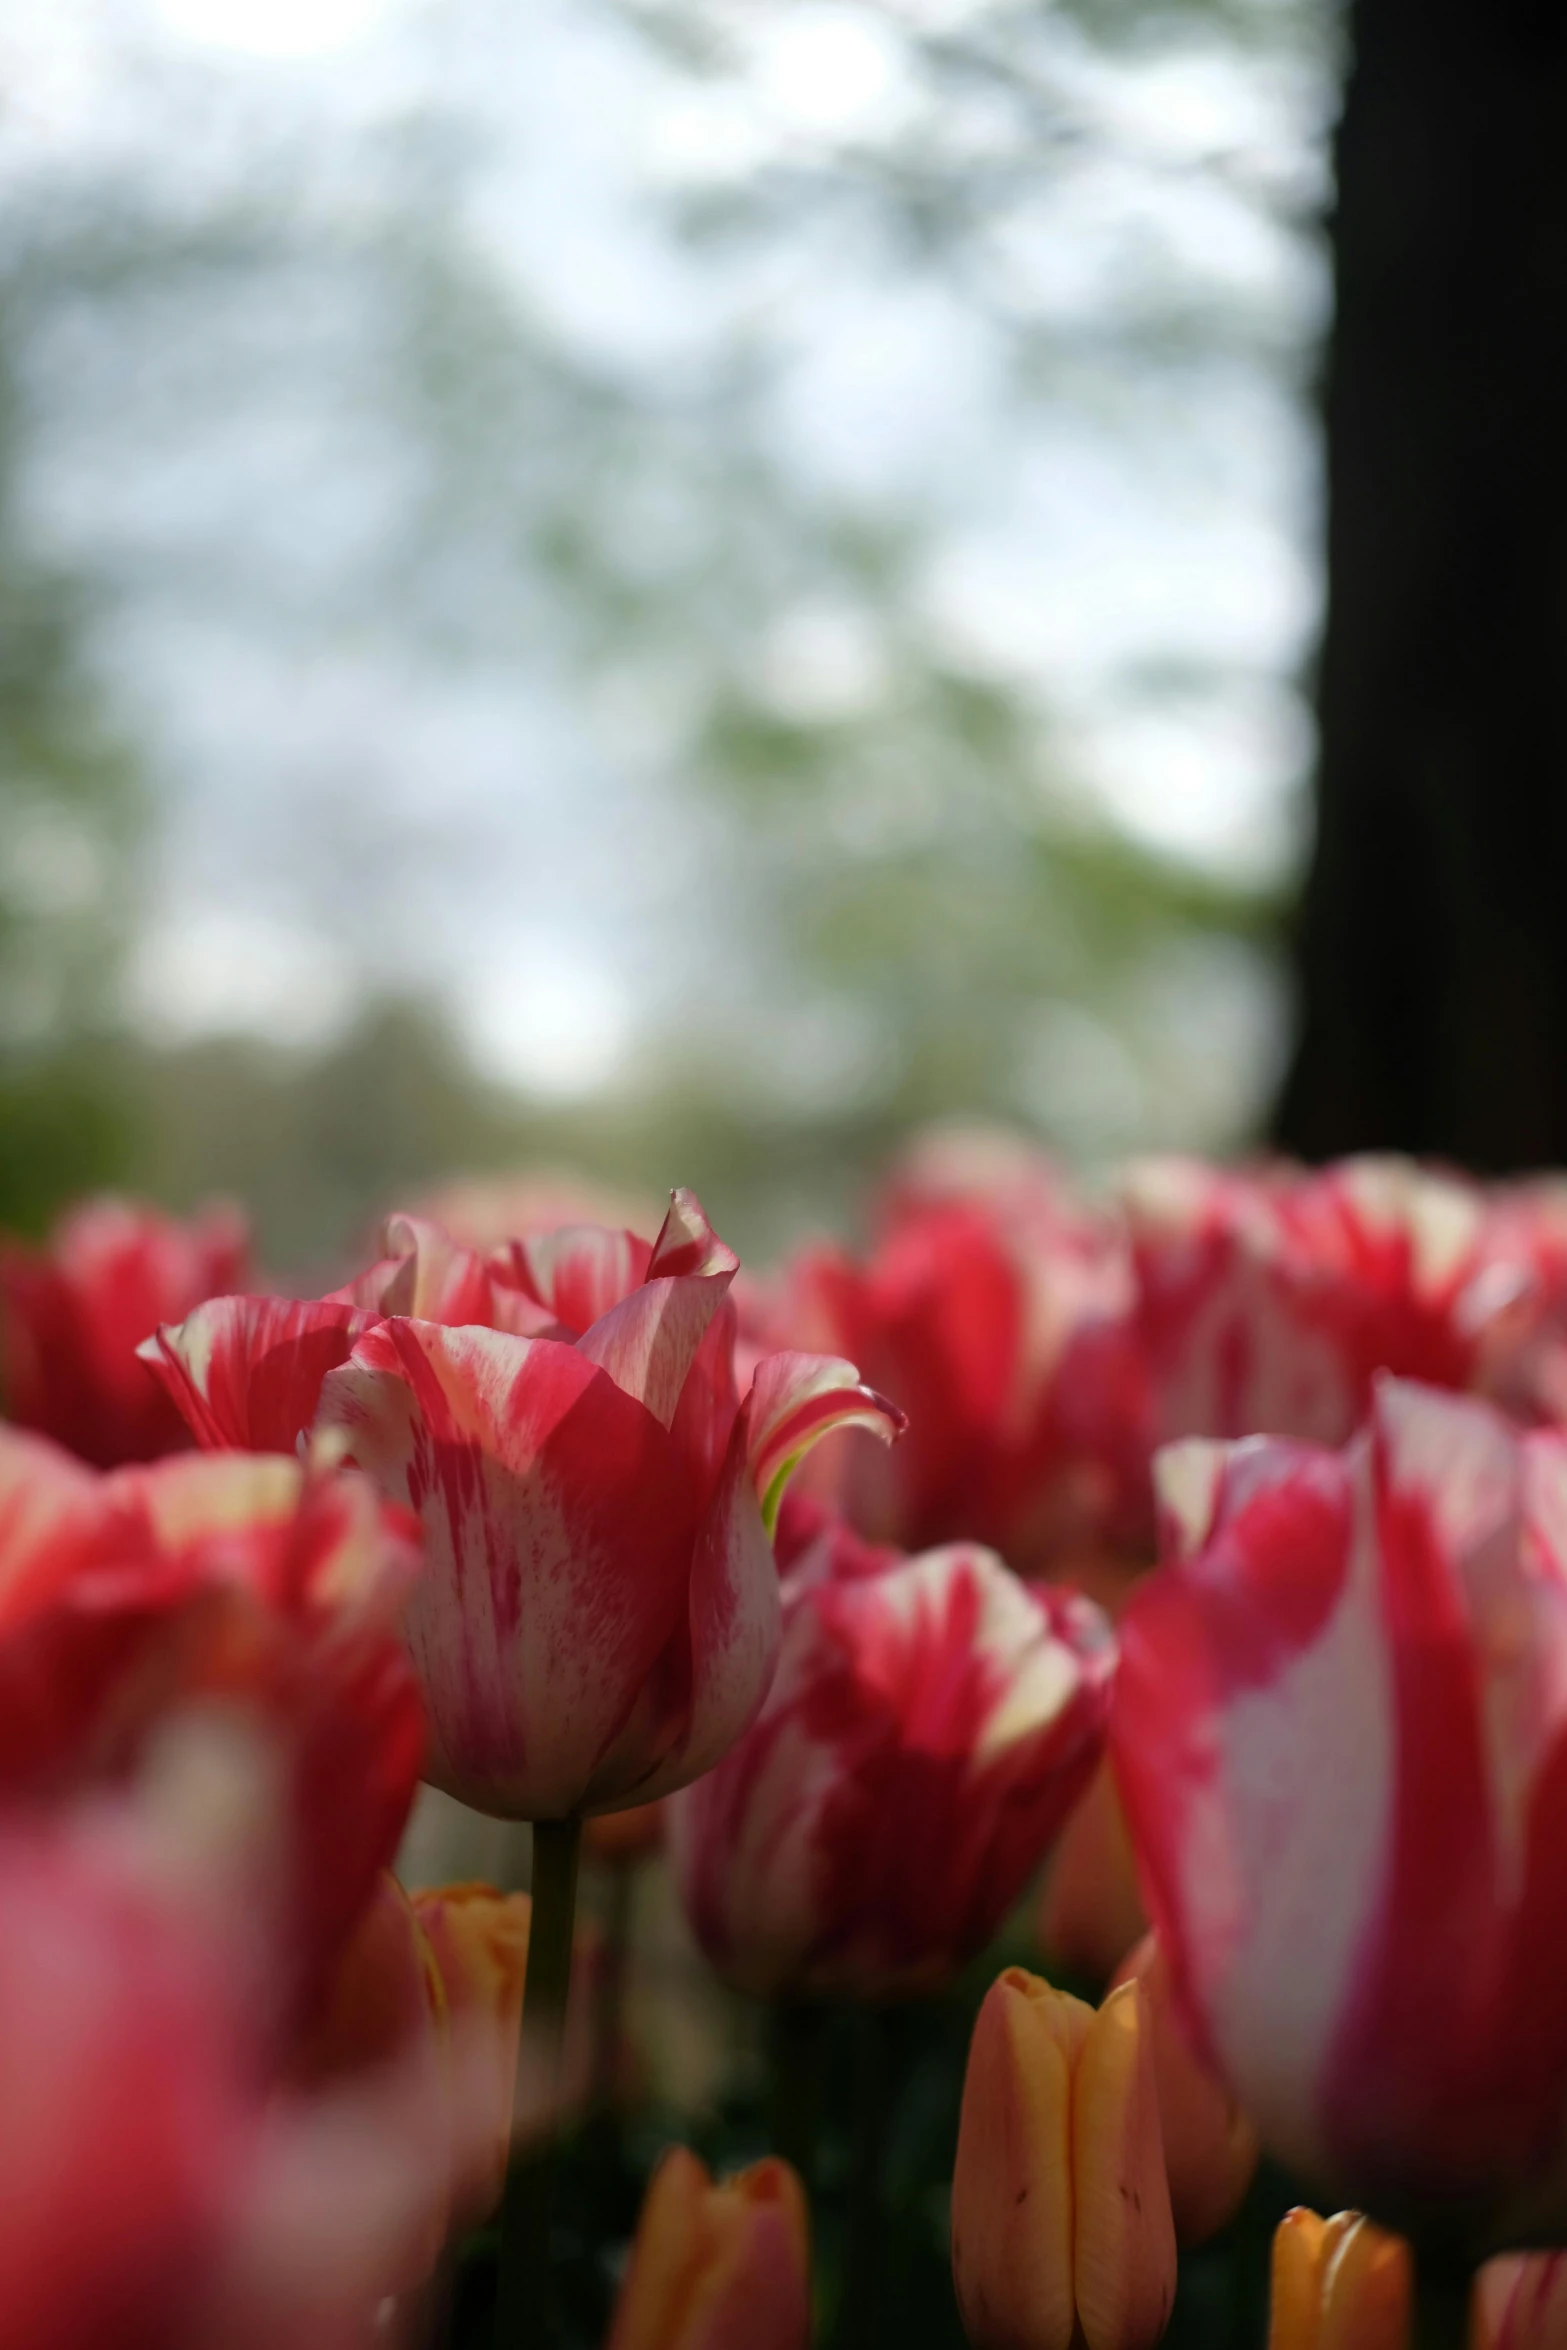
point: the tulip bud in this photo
(723, 2267)
(1520, 2303)
(1123, 2242)
(1060, 2208)
(1339, 2284)
(1210, 2148)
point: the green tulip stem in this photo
(609, 2005)
(526, 2315)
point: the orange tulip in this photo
(1520, 2303)
(479, 1941)
(723, 2267)
(1339, 2284)
(1210, 2148)
(1060, 2205)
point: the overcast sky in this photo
(234, 482)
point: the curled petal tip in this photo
(796, 1400)
(687, 1243)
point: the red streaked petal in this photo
(797, 1399)
(735, 1626)
(577, 1274)
(46, 1495)
(687, 1246)
(428, 1274)
(247, 1371)
(649, 1341)
(558, 1525)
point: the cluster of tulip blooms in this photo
(1212, 1539)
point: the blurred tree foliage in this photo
(919, 912)
(70, 813)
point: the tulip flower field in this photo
(1044, 1737)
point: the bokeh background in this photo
(668, 585)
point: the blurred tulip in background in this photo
(1520, 2302)
(74, 1310)
(1210, 2148)
(931, 1724)
(1339, 2284)
(1340, 1734)
(721, 2266)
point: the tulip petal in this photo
(247, 1371)
(1253, 1748)
(424, 1272)
(576, 1273)
(44, 1492)
(796, 1400)
(1367, 2290)
(717, 2267)
(558, 1529)
(1012, 2176)
(1520, 2302)
(755, 2293)
(76, 1311)
(668, 2238)
(735, 1626)
(479, 1942)
(1300, 2252)
(1210, 2148)
(649, 1341)
(1123, 2236)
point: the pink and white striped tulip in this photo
(996, 1310)
(1340, 1732)
(74, 1312)
(1268, 1298)
(598, 1618)
(932, 1722)
(1520, 2303)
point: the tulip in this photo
(247, 1371)
(478, 1940)
(1268, 1300)
(1520, 2302)
(434, 1981)
(73, 1313)
(598, 1616)
(934, 1706)
(159, 2186)
(723, 2267)
(251, 1583)
(1060, 2207)
(1338, 2284)
(997, 1312)
(1210, 2148)
(1340, 1739)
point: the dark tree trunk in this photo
(1432, 951)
